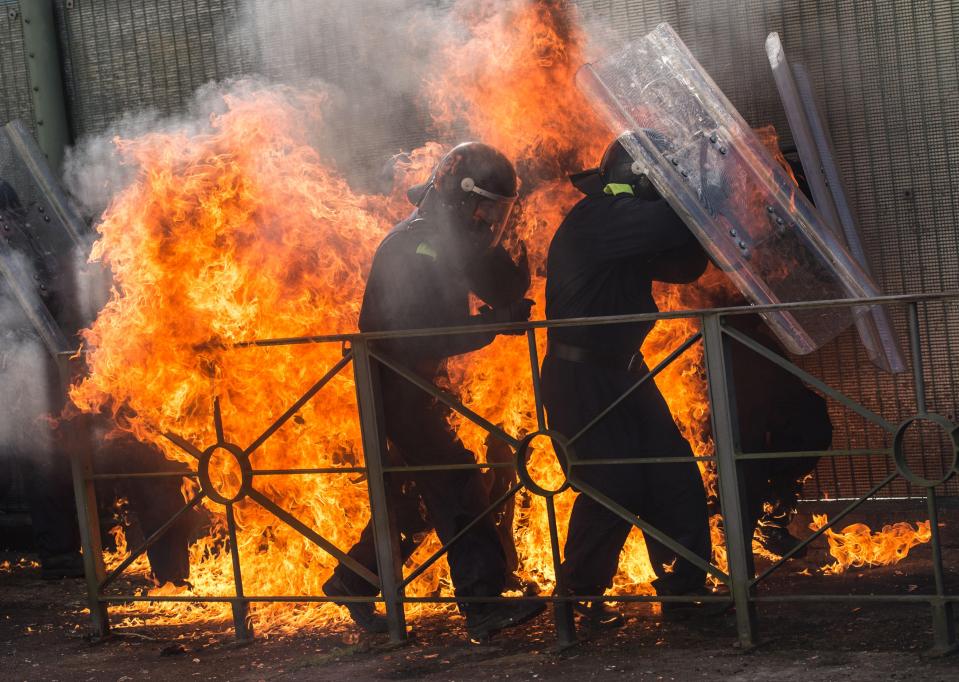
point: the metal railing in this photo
(361, 351)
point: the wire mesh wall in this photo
(128, 57)
(15, 99)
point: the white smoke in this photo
(24, 384)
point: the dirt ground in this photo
(44, 636)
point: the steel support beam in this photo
(41, 43)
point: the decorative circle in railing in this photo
(946, 433)
(225, 473)
(551, 453)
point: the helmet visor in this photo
(492, 216)
(491, 211)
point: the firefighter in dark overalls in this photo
(422, 276)
(603, 260)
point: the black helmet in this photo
(619, 172)
(473, 188)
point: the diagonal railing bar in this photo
(315, 537)
(855, 504)
(777, 359)
(534, 375)
(465, 529)
(183, 444)
(447, 399)
(135, 554)
(218, 420)
(295, 407)
(649, 530)
(668, 360)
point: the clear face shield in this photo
(491, 212)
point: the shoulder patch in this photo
(424, 249)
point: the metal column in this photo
(46, 82)
(388, 557)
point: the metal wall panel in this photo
(15, 101)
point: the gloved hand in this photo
(517, 311)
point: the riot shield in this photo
(46, 241)
(736, 199)
(815, 151)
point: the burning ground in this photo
(233, 226)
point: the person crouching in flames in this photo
(603, 260)
(422, 275)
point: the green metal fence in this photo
(745, 590)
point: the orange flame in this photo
(857, 545)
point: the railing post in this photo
(943, 620)
(81, 463)
(725, 434)
(388, 557)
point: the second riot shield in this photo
(736, 199)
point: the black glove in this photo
(517, 311)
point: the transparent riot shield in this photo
(815, 151)
(739, 202)
(46, 240)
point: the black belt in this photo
(616, 361)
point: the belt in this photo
(587, 356)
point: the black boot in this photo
(59, 566)
(482, 620)
(362, 613)
(599, 615)
(779, 541)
